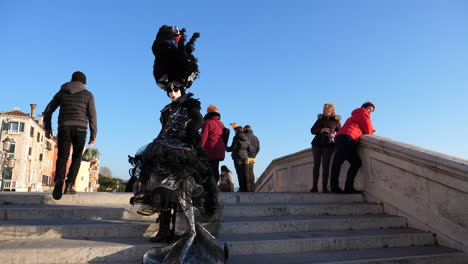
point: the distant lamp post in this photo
(11, 162)
(7, 160)
(7, 143)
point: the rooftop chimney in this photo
(33, 110)
(40, 120)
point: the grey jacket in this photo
(77, 108)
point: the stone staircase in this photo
(258, 228)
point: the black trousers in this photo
(214, 167)
(241, 170)
(346, 149)
(322, 155)
(250, 176)
(67, 137)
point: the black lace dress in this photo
(173, 172)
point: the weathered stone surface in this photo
(429, 188)
(254, 226)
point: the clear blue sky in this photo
(270, 64)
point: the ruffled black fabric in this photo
(174, 62)
(177, 169)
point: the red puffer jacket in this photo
(212, 137)
(358, 124)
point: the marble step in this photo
(301, 242)
(44, 229)
(108, 212)
(104, 212)
(105, 198)
(132, 249)
(258, 210)
(406, 255)
(76, 229)
(238, 225)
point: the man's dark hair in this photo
(78, 77)
(238, 129)
(367, 104)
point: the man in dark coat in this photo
(252, 151)
(77, 108)
(240, 155)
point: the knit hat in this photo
(78, 77)
(212, 108)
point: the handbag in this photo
(224, 186)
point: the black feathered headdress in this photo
(174, 64)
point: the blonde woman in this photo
(323, 144)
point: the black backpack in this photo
(226, 133)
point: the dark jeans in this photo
(67, 137)
(322, 155)
(214, 167)
(346, 149)
(241, 170)
(250, 176)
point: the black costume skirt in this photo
(163, 170)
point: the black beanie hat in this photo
(79, 77)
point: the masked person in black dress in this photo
(174, 177)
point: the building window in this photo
(13, 127)
(40, 157)
(48, 145)
(21, 127)
(30, 151)
(46, 180)
(4, 125)
(31, 132)
(38, 136)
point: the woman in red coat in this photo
(212, 139)
(346, 147)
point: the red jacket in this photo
(212, 137)
(358, 124)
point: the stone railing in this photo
(429, 188)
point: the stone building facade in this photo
(35, 155)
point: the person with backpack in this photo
(252, 151)
(212, 140)
(239, 148)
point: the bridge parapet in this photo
(429, 188)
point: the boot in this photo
(314, 186)
(69, 189)
(211, 196)
(164, 234)
(325, 185)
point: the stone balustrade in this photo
(429, 188)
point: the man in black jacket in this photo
(253, 149)
(76, 110)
